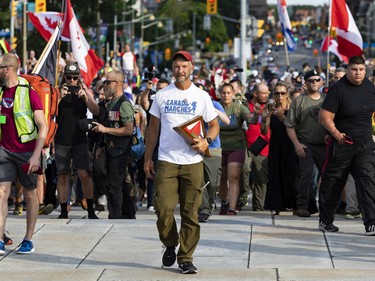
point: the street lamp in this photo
(143, 27)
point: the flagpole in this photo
(286, 55)
(329, 37)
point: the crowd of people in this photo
(291, 142)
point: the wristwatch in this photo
(209, 140)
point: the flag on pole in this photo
(46, 65)
(332, 48)
(46, 23)
(5, 46)
(88, 62)
(349, 38)
(285, 24)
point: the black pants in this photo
(359, 159)
(117, 193)
(315, 154)
(99, 173)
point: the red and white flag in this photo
(332, 48)
(87, 60)
(46, 22)
(349, 38)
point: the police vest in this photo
(117, 145)
(22, 112)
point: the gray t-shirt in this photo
(303, 117)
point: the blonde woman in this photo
(282, 160)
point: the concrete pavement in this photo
(249, 246)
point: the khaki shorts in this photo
(10, 168)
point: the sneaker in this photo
(202, 217)
(187, 268)
(151, 209)
(45, 209)
(7, 241)
(370, 230)
(62, 216)
(330, 227)
(224, 209)
(18, 209)
(2, 248)
(169, 256)
(353, 216)
(26, 247)
(303, 213)
(232, 212)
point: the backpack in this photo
(48, 95)
(138, 144)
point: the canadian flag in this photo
(332, 48)
(349, 38)
(46, 22)
(87, 60)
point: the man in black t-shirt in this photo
(70, 141)
(346, 113)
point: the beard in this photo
(3, 79)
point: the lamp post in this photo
(143, 27)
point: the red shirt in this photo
(9, 139)
(253, 132)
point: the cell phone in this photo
(348, 140)
(73, 88)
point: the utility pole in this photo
(243, 61)
(24, 36)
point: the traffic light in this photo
(212, 7)
(14, 43)
(260, 29)
(167, 54)
(13, 7)
(40, 6)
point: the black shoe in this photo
(202, 217)
(63, 216)
(303, 213)
(370, 230)
(187, 268)
(330, 227)
(7, 240)
(93, 216)
(169, 256)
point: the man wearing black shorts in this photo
(346, 113)
(71, 142)
(23, 130)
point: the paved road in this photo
(250, 246)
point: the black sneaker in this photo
(187, 268)
(202, 217)
(370, 230)
(330, 227)
(169, 256)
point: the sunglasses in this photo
(71, 77)
(107, 82)
(280, 93)
(314, 80)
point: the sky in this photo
(299, 2)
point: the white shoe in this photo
(102, 200)
(151, 209)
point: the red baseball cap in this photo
(184, 54)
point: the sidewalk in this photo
(250, 246)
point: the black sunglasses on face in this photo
(280, 93)
(314, 80)
(107, 82)
(71, 77)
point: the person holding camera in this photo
(71, 142)
(118, 131)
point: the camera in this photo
(86, 125)
(270, 104)
(150, 73)
(73, 88)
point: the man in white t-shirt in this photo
(128, 63)
(179, 174)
